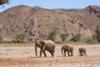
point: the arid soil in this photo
(22, 55)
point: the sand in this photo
(24, 56)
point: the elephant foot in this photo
(45, 56)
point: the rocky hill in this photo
(38, 23)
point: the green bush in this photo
(76, 38)
(1, 38)
(19, 38)
(52, 34)
(97, 31)
(90, 40)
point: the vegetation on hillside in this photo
(76, 38)
(97, 33)
(19, 38)
(52, 34)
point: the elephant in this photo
(45, 45)
(67, 48)
(82, 51)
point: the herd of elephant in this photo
(48, 45)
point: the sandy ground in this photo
(24, 56)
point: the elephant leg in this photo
(68, 53)
(44, 53)
(72, 53)
(64, 52)
(80, 53)
(41, 52)
(52, 53)
(84, 52)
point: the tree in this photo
(2, 2)
(97, 31)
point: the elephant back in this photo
(49, 43)
(82, 49)
(67, 46)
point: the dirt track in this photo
(23, 56)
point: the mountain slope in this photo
(37, 22)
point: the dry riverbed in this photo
(24, 56)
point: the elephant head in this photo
(38, 44)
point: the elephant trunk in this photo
(36, 49)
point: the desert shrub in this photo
(76, 38)
(90, 40)
(97, 33)
(19, 38)
(52, 34)
(1, 38)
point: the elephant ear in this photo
(37, 43)
(42, 42)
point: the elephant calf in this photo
(45, 45)
(68, 49)
(82, 51)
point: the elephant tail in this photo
(62, 51)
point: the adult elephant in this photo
(68, 49)
(45, 45)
